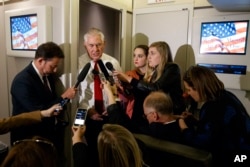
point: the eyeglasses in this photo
(36, 141)
(146, 115)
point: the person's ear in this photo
(40, 61)
(155, 116)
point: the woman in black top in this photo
(161, 74)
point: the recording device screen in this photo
(225, 37)
(226, 68)
(24, 32)
(80, 117)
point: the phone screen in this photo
(80, 117)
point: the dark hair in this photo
(49, 50)
(37, 152)
(144, 48)
(204, 81)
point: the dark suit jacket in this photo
(29, 94)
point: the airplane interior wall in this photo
(141, 33)
(242, 94)
(4, 102)
(106, 19)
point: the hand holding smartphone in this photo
(62, 103)
(80, 117)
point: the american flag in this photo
(225, 37)
(24, 32)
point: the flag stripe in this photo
(227, 37)
(24, 32)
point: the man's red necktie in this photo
(99, 106)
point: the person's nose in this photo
(96, 47)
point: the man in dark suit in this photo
(30, 92)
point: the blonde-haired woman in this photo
(116, 147)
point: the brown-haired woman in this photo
(222, 123)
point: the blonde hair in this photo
(118, 147)
(166, 57)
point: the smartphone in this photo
(80, 116)
(64, 102)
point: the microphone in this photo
(82, 74)
(103, 69)
(80, 78)
(111, 68)
(105, 72)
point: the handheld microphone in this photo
(82, 74)
(103, 69)
(80, 78)
(105, 72)
(111, 68)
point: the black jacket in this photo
(169, 82)
(29, 94)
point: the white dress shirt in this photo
(86, 87)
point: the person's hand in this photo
(69, 93)
(111, 92)
(186, 114)
(107, 87)
(54, 110)
(122, 76)
(78, 134)
(94, 115)
(182, 124)
(105, 113)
